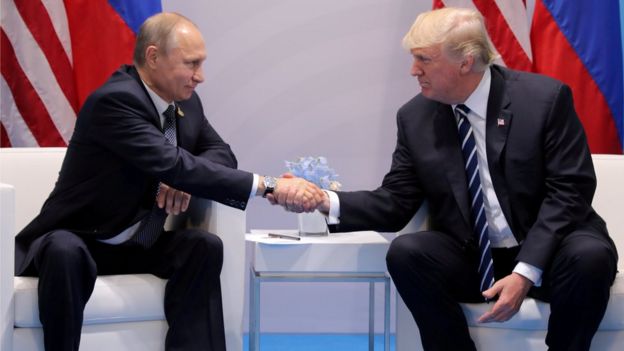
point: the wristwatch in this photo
(269, 185)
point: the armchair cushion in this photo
(534, 314)
(116, 298)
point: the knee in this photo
(206, 245)
(63, 248)
(590, 262)
(206, 241)
(64, 256)
(403, 249)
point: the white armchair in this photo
(125, 312)
(526, 331)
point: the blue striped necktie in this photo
(480, 226)
(152, 225)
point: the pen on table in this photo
(284, 236)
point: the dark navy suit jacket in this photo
(537, 154)
(116, 157)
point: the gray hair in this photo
(460, 31)
(158, 30)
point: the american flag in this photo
(576, 41)
(54, 54)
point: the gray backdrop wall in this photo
(290, 78)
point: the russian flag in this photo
(54, 54)
(580, 43)
(103, 34)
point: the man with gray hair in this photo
(141, 147)
(501, 158)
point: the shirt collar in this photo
(160, 104)
(477, 101)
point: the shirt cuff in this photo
(334, 208)
(530, 272)
(254, 186)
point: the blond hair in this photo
(460, 31)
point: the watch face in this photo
(269, 185)
(270, 182)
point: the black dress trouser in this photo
(433, 272)
(191, 260)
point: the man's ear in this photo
(466, 64)
(151, 56)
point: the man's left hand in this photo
(511, 292)
(172, 200)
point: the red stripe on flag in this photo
(40, 25)
(4, 137)
(553, 56)
(502, 36)
(26, 99)
(101, 41)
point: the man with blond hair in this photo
(501, 158)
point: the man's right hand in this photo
(296, 194)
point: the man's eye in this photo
(192, 63)
(422, 59)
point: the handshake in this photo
(296, 194)
(293, 193)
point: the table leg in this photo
(371, 316)
(387, 314)
(254, 312)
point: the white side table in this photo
(339, 257)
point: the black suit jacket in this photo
(116, 157)
(539, 161)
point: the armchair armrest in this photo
(229, 224)
(419, 222)
(7, 239)
(211, 216)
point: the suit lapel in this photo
(498, 124)
(447, 144)
(498, 120)
(183, 126)
(154, 117)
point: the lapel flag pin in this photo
(500, 122)
(180, 113)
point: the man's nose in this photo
(416, 71)
(198, 76)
